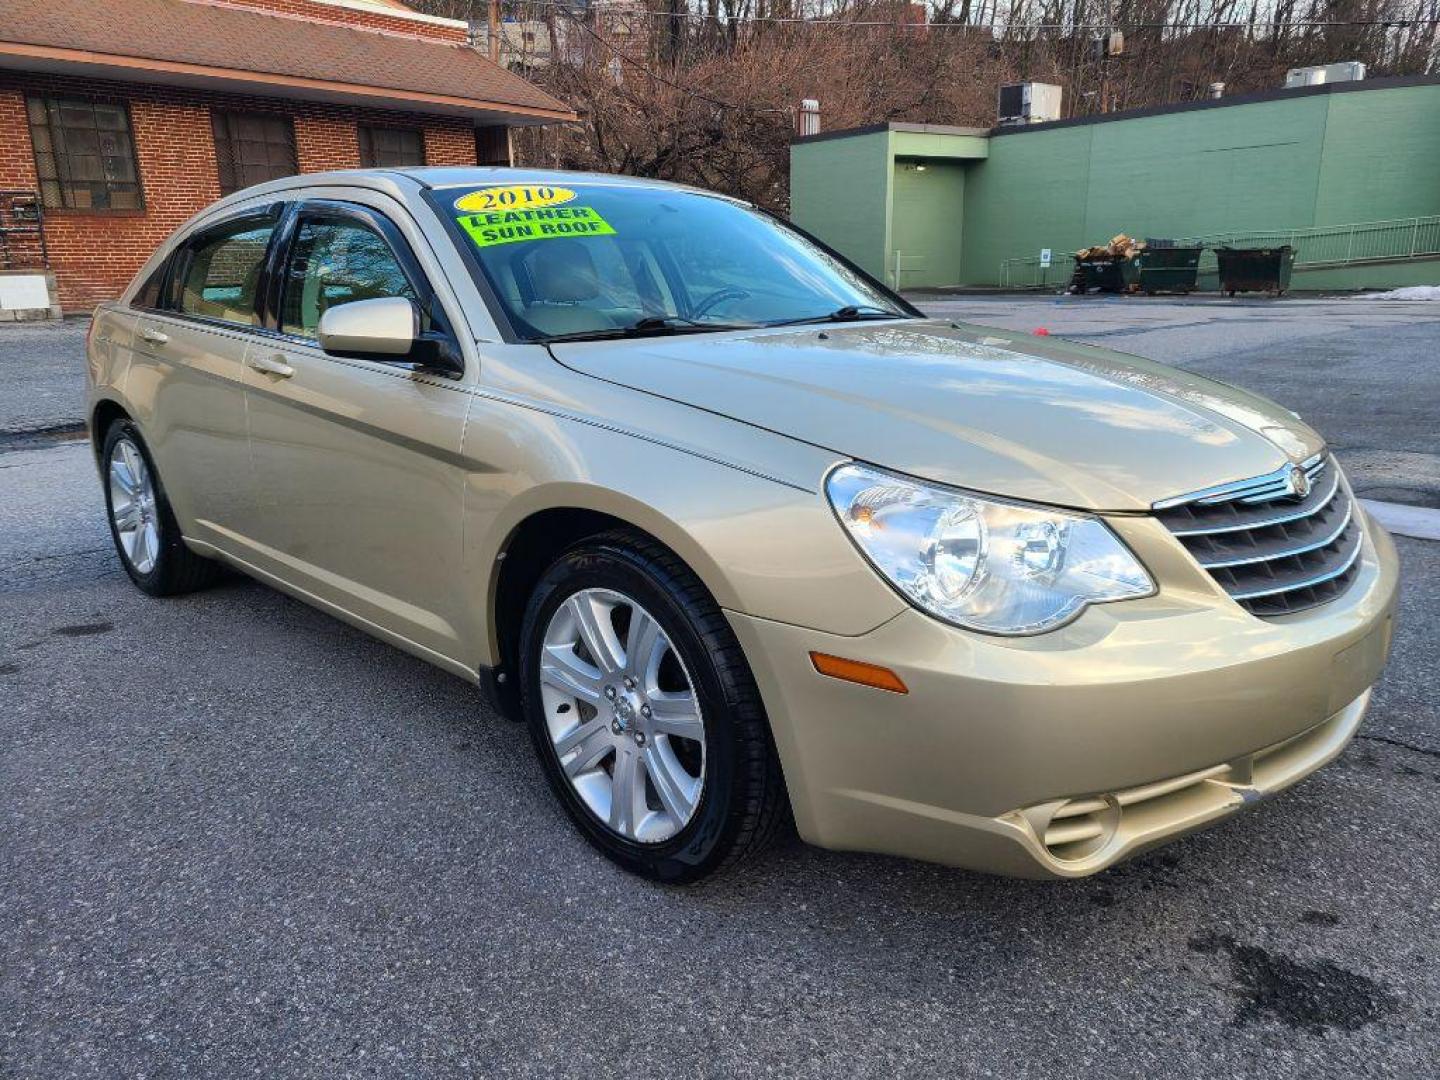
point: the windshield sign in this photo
(507, 215)
(594, 261)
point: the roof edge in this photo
(396, 13)
(90, 62)
(1258, 97)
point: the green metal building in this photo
(1349, 173)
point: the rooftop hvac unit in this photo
(1350, 71)
(1028, 103)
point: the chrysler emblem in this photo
(1299, 482)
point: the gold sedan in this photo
(737, 532)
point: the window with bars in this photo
(251, 148)
(390, 147)
(84, 154)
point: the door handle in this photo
(158, 337)
(272, 365)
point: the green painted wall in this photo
(1312, 160)
(840, 191)
(1382, 156)
(939, 144)
(1390, 275)
(1289, 163)
(927, 224)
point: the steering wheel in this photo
(729, 292)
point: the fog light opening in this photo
(1081, 828)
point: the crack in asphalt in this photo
(1388, 741)
(33, 438)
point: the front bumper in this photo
(1059, 755)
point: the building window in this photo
(251, 148)
(84, 154)
(388, 147)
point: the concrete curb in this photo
(1418, 522)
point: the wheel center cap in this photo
(624, 710)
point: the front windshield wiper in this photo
(651, 326)
(848, 313)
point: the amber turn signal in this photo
(837, 667)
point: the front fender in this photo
(764, 547)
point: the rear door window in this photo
(218, 276)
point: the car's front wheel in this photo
(644, 713)
(146, 534)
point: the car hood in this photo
(995, 411)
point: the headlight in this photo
(980, 563)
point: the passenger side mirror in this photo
(386, 329)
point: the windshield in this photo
(589, 260)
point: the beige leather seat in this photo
(563, 281)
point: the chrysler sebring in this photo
(740, 535)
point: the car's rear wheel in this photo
(644, 713)
(146, 534)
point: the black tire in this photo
(743, 802)
(177, 569)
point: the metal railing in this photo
(902, 264)
(1316, 248)
(1324, 246)
(1031, 271)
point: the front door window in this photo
(335, 261)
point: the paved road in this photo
(238, 838)
(43, 367)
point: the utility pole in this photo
(495, 30)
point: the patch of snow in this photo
(1410, 292)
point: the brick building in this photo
(118, 120)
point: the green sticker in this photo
(547, 223)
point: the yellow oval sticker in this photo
(513, 197)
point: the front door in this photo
(358, 477)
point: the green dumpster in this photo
(1101, 274)
(1162, 269)
(1255, 269)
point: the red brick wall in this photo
(397, 23)
(95, 253)
(449, 146)
(326, 141)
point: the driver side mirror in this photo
(386, 329)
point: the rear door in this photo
(358, 476)
(187, 375)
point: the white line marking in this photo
(1418, 521)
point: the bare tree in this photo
(706, 92)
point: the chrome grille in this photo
(1272, 549)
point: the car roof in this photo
(403, 181)
(460, 176)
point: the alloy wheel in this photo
(133, 508)
(623, 716)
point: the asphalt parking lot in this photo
(239, 838)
